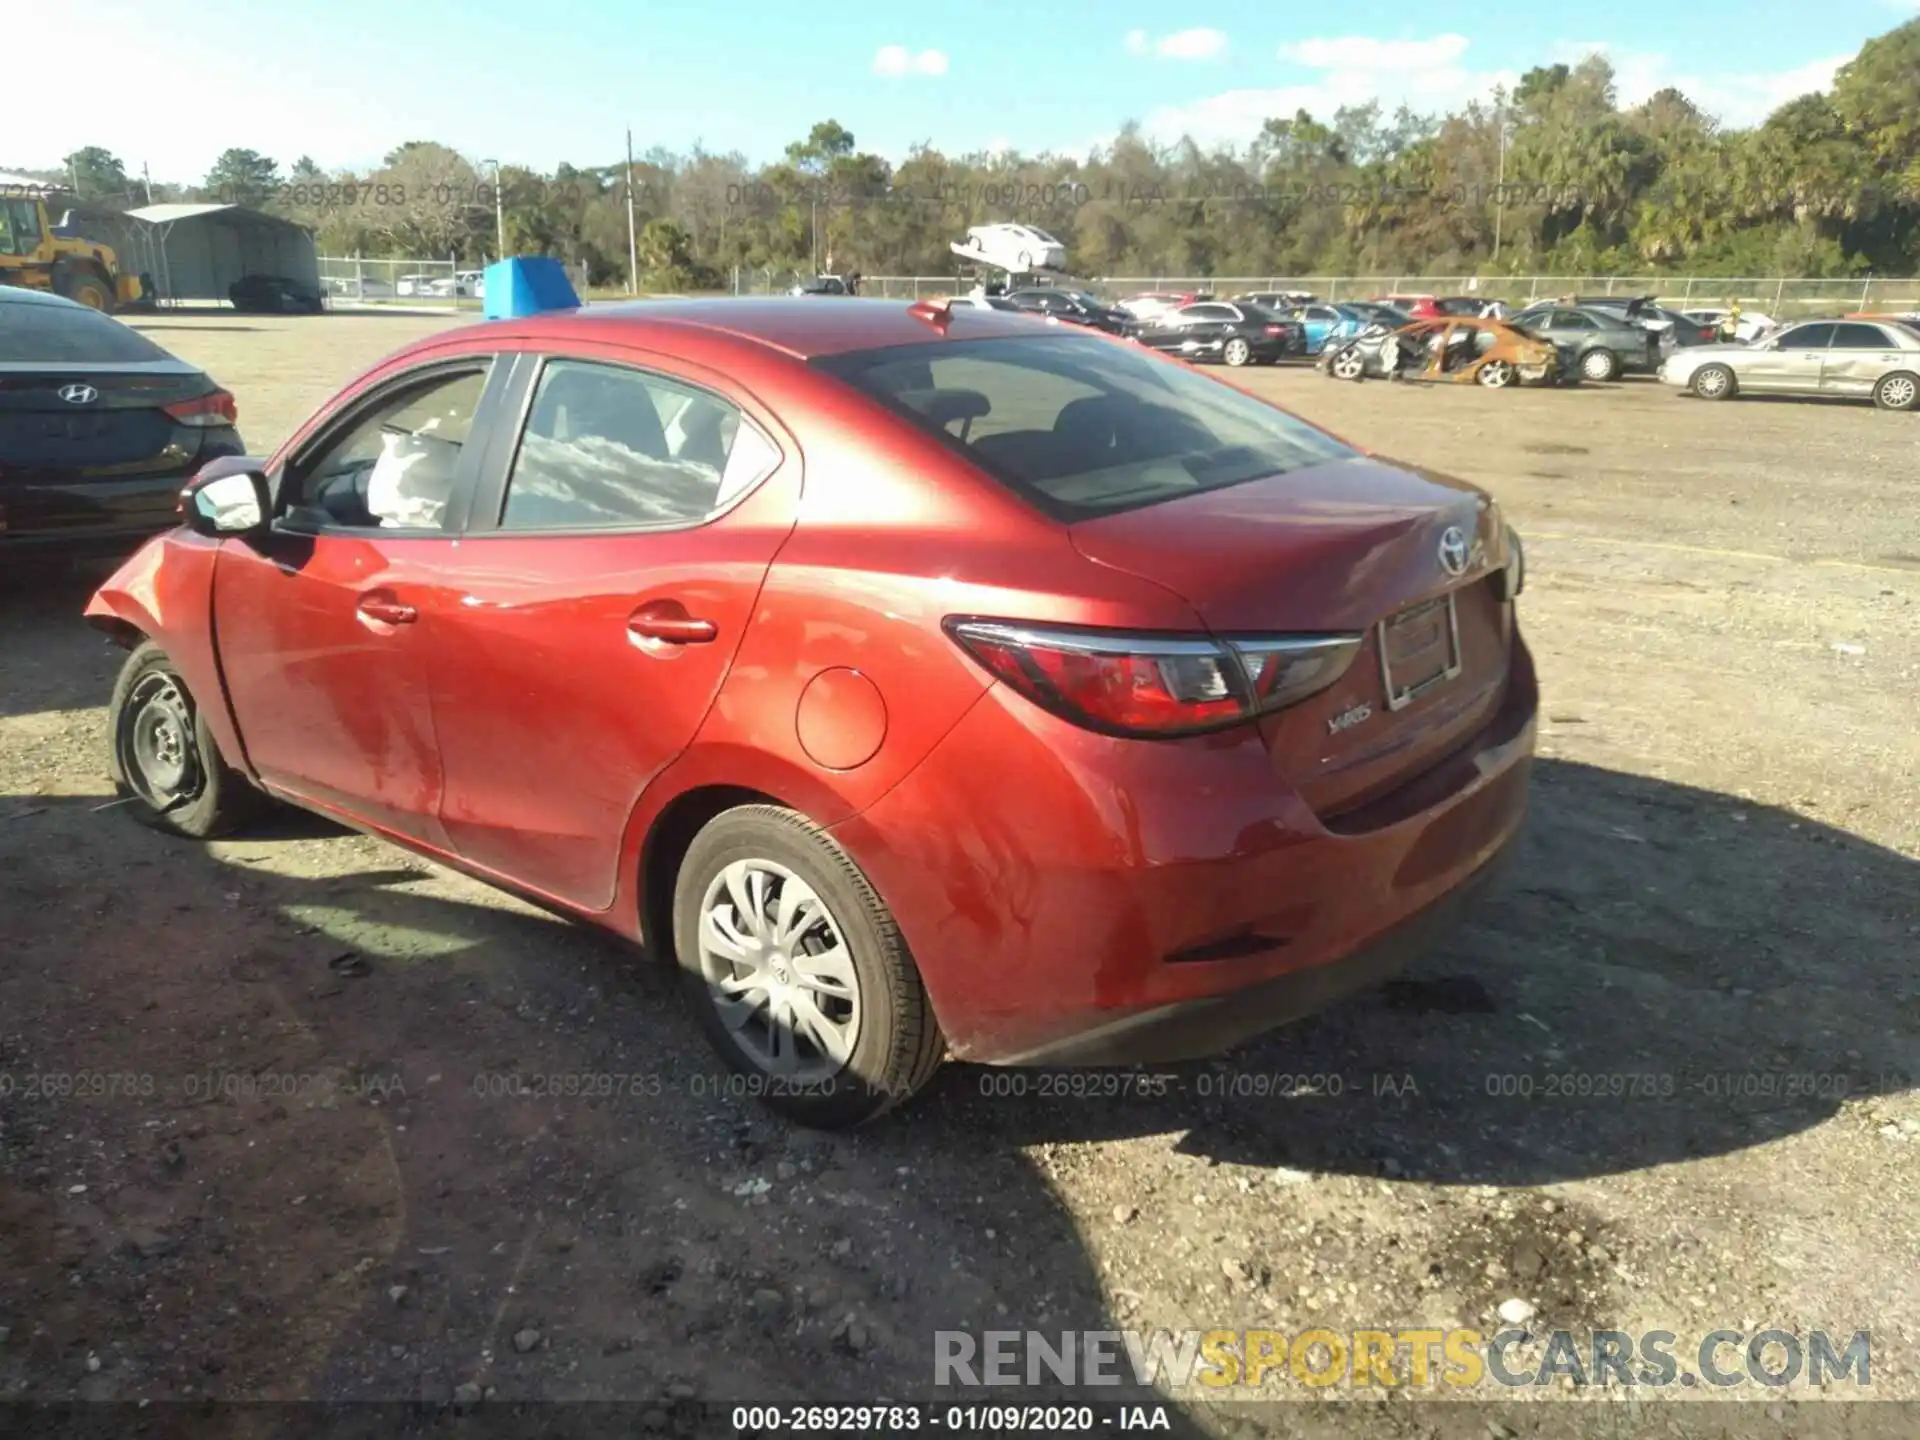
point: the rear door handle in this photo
(672, 629)
(388, 612)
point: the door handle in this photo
(672, 629)
(388, 612)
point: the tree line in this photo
(1554, 177)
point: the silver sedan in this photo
(1844, 359)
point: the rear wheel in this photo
(1496, 374)
(90, 291)
(164, 762)
(1899, 391)
(1349, 365)
(1237, 352)
(1600, 365)
(1713, 382)
(800, 976)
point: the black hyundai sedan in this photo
(99, 429)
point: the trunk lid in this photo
(118, 430)
(1353, 545)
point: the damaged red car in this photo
(922, 682)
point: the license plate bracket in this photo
(1419, 649)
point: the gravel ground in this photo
(253, 1145)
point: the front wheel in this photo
(163, 760)
(1348, 365)
(1238, 352)
(799, 974)
(1899, 391)
(1713, 382)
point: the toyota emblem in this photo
(79, 394)
(1453, 550)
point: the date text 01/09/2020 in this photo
(888, 1419)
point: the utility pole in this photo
(1500, 187)
(147, 179)
(499, 213)
(633, 236)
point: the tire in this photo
(1349, 364)
(162, 758)
(1237, 352)
(91, 292)
(1600, 366)
(892, 1043)
(1496, 375)
(1714, 382)
(1898, 391)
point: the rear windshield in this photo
(69, 334)
(1084, 426)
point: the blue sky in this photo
(172, 86)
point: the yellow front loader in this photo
(39, 254)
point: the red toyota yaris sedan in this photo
(922, 682)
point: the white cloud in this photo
(898, 60)
(1197, 44)
(1427, 75)
(1734, 97)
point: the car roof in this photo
(18, 295)
(802, 329)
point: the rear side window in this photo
(1860, 337)
(1083, 426)
(69, 334)
(607, 447)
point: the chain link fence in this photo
(1777, 297)
(410, 280)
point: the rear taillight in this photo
(1707, 332)
(1276, 329)
(205, 412)
(1160, 685)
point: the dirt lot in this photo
(252, 1142)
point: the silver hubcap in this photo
(1598, 366)
(1237, 352)
(1898, 393)
(1712, 383)
(1496, 373)
(778, 971)
(157, 749)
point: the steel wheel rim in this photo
(1711, 382)
(156, 741)
(1496, 374)
(779, 972)
(1597, 366)
(1898, 392)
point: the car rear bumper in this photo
(1112, 901)
(91, 517)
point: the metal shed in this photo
(200, 250)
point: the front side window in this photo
(1807, 337)
(1081, 426)
(396, 467)
(609, 447)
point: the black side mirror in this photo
(228, 497)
